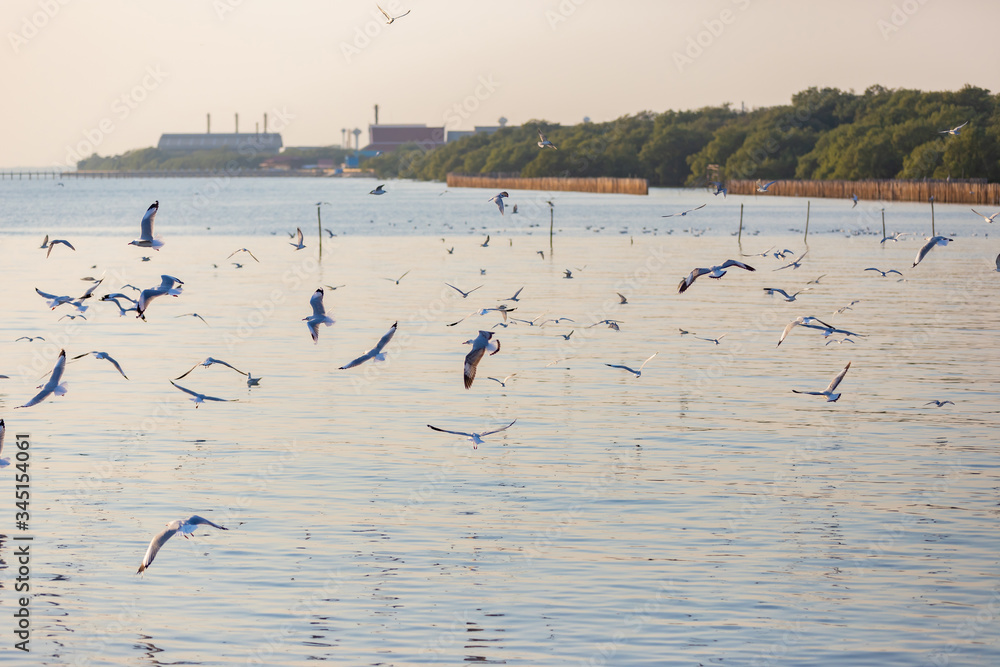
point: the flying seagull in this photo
(52, 244)
(53, 386)
(486, 243)
(938, 403)
(828, 392)
(684, 212)
(247, 252)
(955, 130)
(498, 200)
(396, 280)
(379, 190)
(102, 355)
(183, 526)
(376, 352)
(796, 263)
(763, 187)
(713, 272)
(637, 373)
(712, 340)
(464, 294)
(480, 346)
(476, 438)
(854, 198)
(45, 243)
(515, 297)
(543, 142)
(802, 321)
(199, 398)
(388, 21)
(772, 290)
(883, 273)
(166, 286)
(987, 218)
(211, 361)
(719, 188)
(184, 315)
(503, 382)
(298, 245)
(319, 315)
(146, 239)
(931, 242)
(622, 299)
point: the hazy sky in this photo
(115, 74)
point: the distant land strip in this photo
(625, 186)
(943, 191)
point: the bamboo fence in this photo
(627, 186)
(944, 192)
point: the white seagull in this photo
(396, 280)
(684, 212)
(955, 130)
(762, 187)
(480, 346)
(53, 386)
(199, 398)
(376, 352)
(938, 403)
(803, 321)
(52, 244)
(476, 438)
(54, 301)
(712, 272)
(380, 189)
(543, 142)
(637, 373)
(167, 286)
(498, 200)
(464, 294)
(211, 361)
(883, 273)
(183, 526)
(388, 21)
(987, 218)
(772, 290)
(319, 315)
(298, 245)
(102, 355)
(247, 252)
(146, 239)
(515, 297)
(796, 263)
(3, 429)
(931, 242)
(503, 382)
(828, 392)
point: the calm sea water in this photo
(699, 514)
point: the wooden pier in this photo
(944, 192)
(624, 186)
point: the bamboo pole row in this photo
(627, 186)
(944, 192)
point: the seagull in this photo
(567, 274)
(895, 236)
(30, 339)
(464, 294)
(845, 339)
(543, 142)
(166, 286)
(757, 254)
(684, 212)
(45, 243)
(378, 190)
(146, 239)
(540, 252)
(955, 130)
(998, 262)
(451, 250)
(298, 245)
(719, 189)
(612, 324)
(713, 272)
(634, 372)
(828, 392)
(883, 273)
(72, 317)
(502, 309)
(796, 263)
(396, 280)
(210, 362)
(476, 438)
(780, 254)
(938, 403)
(987, 218)
(847, 307)
(54, 301)
(53, 386)
(374, 353)
(3, 429)
(816, 281)
(515, 297)
(854, 198)
(252, 381)
(772, 290)
(183, 526)
(566, 336)
(807, 321)
(480, 346)
(388, 21)
(498, 200)
(622, 300)
(184, 315)
(199, 398)
(102, 355)
(52, 244)
(247, 252)
(486, 243)
(319, 315)
(503, 382)
(765, 186)
(712, 340)
(931, 242)
(114, 299)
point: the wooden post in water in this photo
(319, 229)
(552, 217)
(932, 216)
(739, 234)
(883, 225)
(805, 237)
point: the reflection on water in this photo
(699, 513)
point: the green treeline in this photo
(153, 159)
(823, 134)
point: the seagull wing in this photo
(187, 373)
(836, 380)
(464, 294)
(444, 430)
(471, 362)
(360, 360)
(188, 391)
(219, 361)
(647, 361)
(933, 241)
(497, 430)
(146, 227)
(383, 13)
(157, 542)
(114, 363)
(196, 520)
(384, 340)
(733, 262)
(687, 282)
(624, 368)
(316, 301)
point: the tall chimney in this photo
(265, 123)
(237, 123)
(208, 117)
(376, 114)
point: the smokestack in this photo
(208, 118)
(237, 123)
(376, 114)
(256, 128)
(265, 123)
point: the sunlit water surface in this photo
(699, 514)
